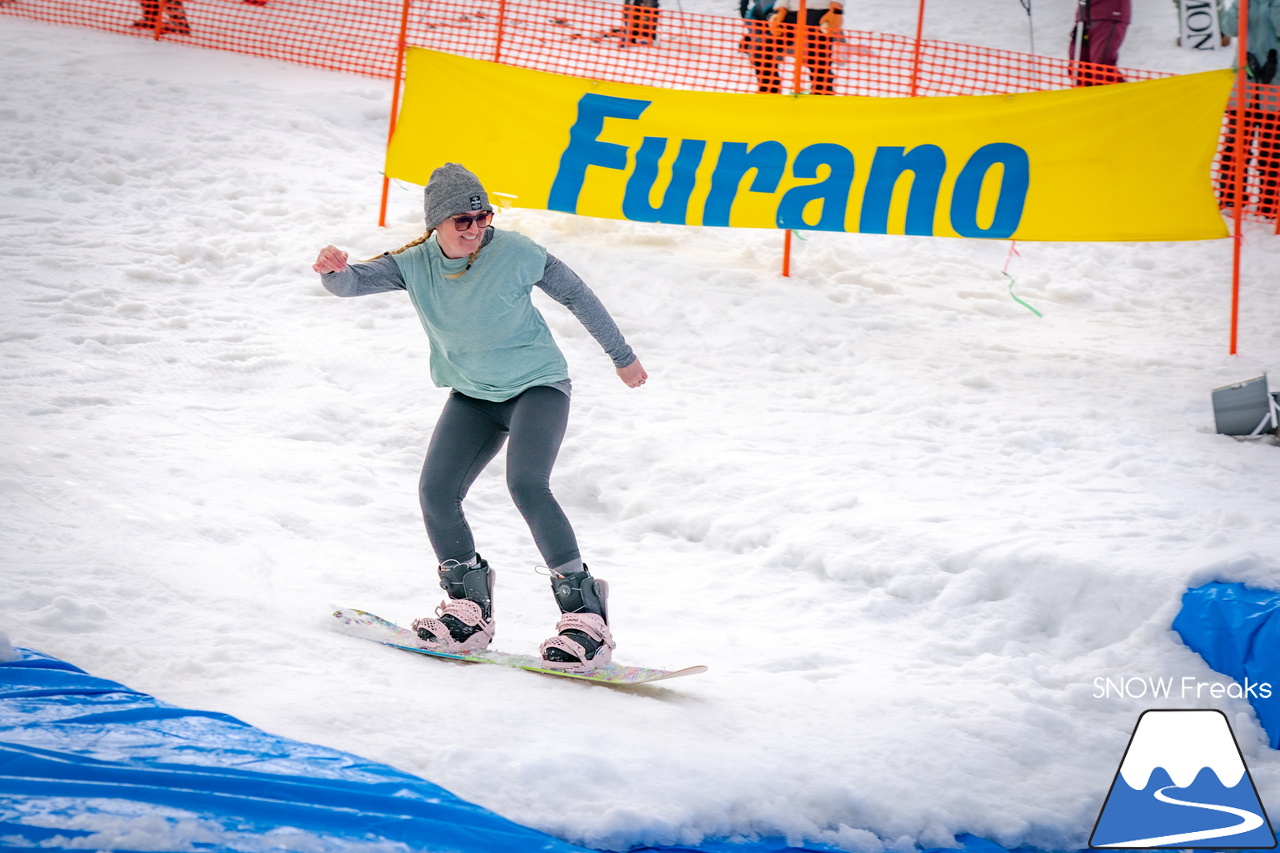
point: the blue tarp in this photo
(1236, 629)
(969, 844)
(87, 763)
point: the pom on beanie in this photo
(452, 189)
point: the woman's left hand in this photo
(633, 374)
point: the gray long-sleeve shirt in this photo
(382, 275)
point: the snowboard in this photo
(358, 623)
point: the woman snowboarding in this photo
(471, 284)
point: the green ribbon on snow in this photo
(1012, 281)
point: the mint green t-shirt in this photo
(487, 338)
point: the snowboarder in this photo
(761, 45)
(470, 283)
(1095, 41)
(170, 13)
(640, 19)
(811, 40)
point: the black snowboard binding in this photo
(583, 641)
(464, 621)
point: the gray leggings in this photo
(467, 437)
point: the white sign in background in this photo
(1198, 22)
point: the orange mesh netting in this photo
(1261, 191)
(637, 44)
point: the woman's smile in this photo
(459, 244)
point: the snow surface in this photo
(910, 526)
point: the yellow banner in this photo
(1125, 162)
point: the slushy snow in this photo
(913, 529)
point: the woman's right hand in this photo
(330, 259)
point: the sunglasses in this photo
(462, 223)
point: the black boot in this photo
(464, 621)
(150, 14)
(583, 641)
(177, 18)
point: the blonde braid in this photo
(471, 259)
(424, 238)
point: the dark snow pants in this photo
(467, 437)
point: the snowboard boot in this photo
(583, 641)
(464, 621)
(177, 22)
(150, 15)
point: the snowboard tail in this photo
(367, 626)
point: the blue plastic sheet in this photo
(968, 844)
(89, 763)
(1236, 629)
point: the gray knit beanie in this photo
(452, 189)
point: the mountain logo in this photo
(1183, 783)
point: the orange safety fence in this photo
(1261, 191)
(639, 43)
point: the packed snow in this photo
(908, 524)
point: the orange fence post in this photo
(395, 106)
(798, 42)
(1237, 181)
(915, 53)
(502, 22)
